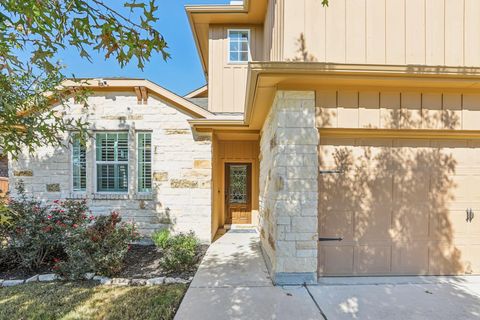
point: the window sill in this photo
(144, 196)
(77, 195)
(110, 196)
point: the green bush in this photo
(180, 252)
(36, 232)
(66, 233)
(160, 238)
(100, 247)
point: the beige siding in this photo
(227, 81)
(272, 31)
(423, 32)
(395, 109)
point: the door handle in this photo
(470, 215)
(330, 239)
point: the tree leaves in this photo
(32, 34)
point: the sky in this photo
(180, 74)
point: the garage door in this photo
(400, 207)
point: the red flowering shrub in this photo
(100, 247)
(38, 231)
(64, 234)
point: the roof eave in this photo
(154, 88)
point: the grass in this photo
(86, 300)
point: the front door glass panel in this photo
(238, 184)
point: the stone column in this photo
(289, 188)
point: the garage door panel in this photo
(410, 258)
(400, 205)
(372, 224)
(471, 256)
(410, 222)
(448, 224)
(466, 188)
(336, 260)
(338, 224)
(373, 259)
(446, 258)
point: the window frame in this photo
(138, 162)
(96, 163)
(77, 191)
(249, 46)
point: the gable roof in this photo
(201, 92)
(128, 84)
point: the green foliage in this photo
(36, 234)
(100, 247)
(33, 33)
(161, 237)
(180, 253)
(65, 233)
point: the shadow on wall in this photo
(391, 200)
(303, 54)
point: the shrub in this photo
(100, 247)
(36, 232)
(33, 234)
(161, 237)
(180, 252)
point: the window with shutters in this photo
(112, 161)
(144, 161)
(79, 163)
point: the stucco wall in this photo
(181, 197)
(289, 188)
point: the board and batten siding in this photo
(390, 109)
(272, 31)
(419, 32)
(228, 81)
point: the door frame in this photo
(225, 183)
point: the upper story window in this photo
(239, 46)
(112, 162)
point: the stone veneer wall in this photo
(289, 188)
(181, 166)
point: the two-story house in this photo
(349, 135)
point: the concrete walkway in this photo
(232, 283)
(439, 298)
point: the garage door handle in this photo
(470, 215)
(330, 239)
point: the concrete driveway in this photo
(232, 282)
(449, 298)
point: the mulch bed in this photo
(144, 262)
(141, 262)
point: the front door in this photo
(238, 204)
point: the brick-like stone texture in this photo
(289, 187)
(181, 197)
(53, 187)
(23, 173)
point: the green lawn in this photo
(89, 301)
